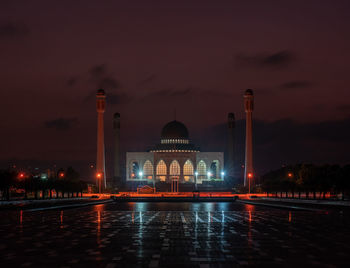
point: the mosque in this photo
(175, 164)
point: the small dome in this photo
(249, 92)
(174, 130)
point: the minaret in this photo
(248, 168)
(116, 128)
(231, 144)
(100, 160)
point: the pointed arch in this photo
(202, 168)
(174, 168)
(148, 169)
(161, 170)
(188, 170)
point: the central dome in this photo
(174, 130)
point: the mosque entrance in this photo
(175, 184)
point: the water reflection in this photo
(61, 219)
(98, 209)
(174, 206)
(21, 218)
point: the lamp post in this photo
(99, 178)
(250, 176)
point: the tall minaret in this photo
(116, 128)
(249, 106)
(100, 160)
(231, 144)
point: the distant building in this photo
(175, 164)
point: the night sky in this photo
(152, 57)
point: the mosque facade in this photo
(175, 164)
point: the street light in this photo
(222, 174)
(99, 178)
(209, 174)
(250, 176)
(140, 174)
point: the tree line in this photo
(63, 183)
(308, 179)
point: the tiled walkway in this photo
(106, 236)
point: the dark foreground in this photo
(174, 235)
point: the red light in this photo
(61, 175)
(21, 175)
(99, 175)
(290, 175)
(250, 175)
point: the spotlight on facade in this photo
(209, 174)
(140, 174)
(222, 173)
(196, 173)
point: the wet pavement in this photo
(174, 235)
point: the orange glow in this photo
(99, 175)
(290, 175)
(250, 175)
(21, 217)
(61, 175)
(21, 175)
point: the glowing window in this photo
(188, 168)
(161, 170)
(148, 169)
(202, 168)
(174, 168)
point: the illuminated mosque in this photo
(175, 164)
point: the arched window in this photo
(148, 170)
(174, 168)
(202, 168)
(161, 170)
(188, 170)
(134, 170)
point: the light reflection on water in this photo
(172, 206)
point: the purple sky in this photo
(154, 56)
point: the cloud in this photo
(344, 108)
(186, 92)
(284, 141)
(102, 79)
(72, 81)
(296, 84)
(148, 79)
(12, 29)
(169, 93)
(98, 70)
(62, 123)
(275, 60)
(118, 98)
